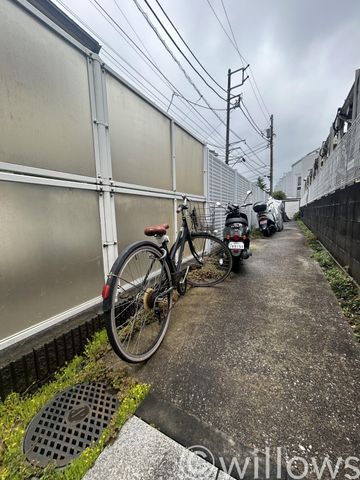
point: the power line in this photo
(180, 66)
(113, 22)
(202, 106)
(191, 125)
(250, 120)
(187, 46)
(187, 76)
(183, 54)
(142, 86)
(183, 70)
(167, 83)
(157, 70)
(243, 61)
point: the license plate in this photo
(262, 222)
(236, 245)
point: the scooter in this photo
(236, 233)
(266, 220)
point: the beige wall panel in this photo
(135, 212)
(44, 96)
(51, 249)
(140, 139)
(189, 163)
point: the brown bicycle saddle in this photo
(156, 229)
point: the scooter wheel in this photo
(236, 264)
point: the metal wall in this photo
(340, 169)
(85, 163)
(225, 185)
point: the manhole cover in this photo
(68, 424)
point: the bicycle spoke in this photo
(142, 302)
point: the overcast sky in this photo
(303, 55)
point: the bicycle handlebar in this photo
(183, 206)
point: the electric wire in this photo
(243, 61)
(183, 54)
(250, 119)
(201, 132)
(242, 57)
(187, 46)
(165, 79)
(116, 25)
(201, 117)
(181, 67)
(187, 76)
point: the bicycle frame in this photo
(183, 237)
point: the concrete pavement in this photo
(264, 362)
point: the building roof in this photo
(302, 158)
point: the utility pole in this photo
(271, 152)
(227, 146)
(229, 107)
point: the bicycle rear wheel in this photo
(138, 306)
(210, 262)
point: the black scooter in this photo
(236, 233)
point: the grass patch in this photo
(343, 286)
(17, 411)
(255, 233)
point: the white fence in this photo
(342, 168)
(224, 185)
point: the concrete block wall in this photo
(335, 220)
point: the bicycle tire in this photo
(216, 260)
(140, 297)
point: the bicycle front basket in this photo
(202, 217)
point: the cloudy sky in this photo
(303, 55)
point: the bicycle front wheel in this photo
(209, 260)
(138, 309)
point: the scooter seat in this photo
(232, 220)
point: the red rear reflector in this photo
(236, 238)
(105, 291)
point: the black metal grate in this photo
(68, 424)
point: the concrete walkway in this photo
(263, 362)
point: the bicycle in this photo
(138, 294)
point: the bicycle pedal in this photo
(195, 267)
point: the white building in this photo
(292, 183)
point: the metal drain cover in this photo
(68, 424)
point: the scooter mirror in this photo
(218, 204)
(248, 192)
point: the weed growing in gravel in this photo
(255, 233)
(17, 411)
(342, 285)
